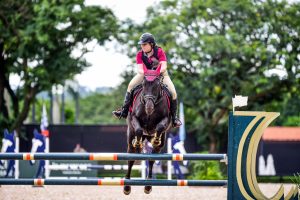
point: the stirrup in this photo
(176, 123)
(118, 113)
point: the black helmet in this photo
(146, 38)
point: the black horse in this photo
(149, 119)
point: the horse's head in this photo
(151, 89)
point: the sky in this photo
(106, 58)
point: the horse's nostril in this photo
(149, 108)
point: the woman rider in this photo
(151, 56)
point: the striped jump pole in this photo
(245, 130)
(85, 167)
(113, 182)
(110, 156)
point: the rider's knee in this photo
(174, 95)
(131, 85)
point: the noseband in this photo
(153, 98)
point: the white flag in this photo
(182, 133)
(44, 122)
(239, 101)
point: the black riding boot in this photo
(173, 107)
(123, 112)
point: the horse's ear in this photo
(158, 69)
(145, 69)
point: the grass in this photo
(277, 179)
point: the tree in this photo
(40, 41)
(217, 49)
(97, 108)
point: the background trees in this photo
(37, 42)
(217, 49)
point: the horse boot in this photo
(123, 112)
(173, 107)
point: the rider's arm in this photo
(139, 62)
(140, 69)
(162, 70)
(163, 66)
(162, 60)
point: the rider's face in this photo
(146, 47)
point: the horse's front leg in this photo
(161, 128)
(138, 136)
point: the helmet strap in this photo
(151, 51)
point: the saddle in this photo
(138, 89)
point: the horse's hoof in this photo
(148, 189)
(156, 143)
(126, 190)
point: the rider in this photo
(151, 56)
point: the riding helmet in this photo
(146, 38)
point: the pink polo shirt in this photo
(160, 54)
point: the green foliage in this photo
(275, 179)
(290, 110)
(97, 108)
(69, 113)
(217, 49)
(37, 42)
(292, 121)
(93, 109)
(38, 103)
(296, 180)
(205, 170)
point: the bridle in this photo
(153, 98)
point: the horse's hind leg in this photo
(148, 188)
(127, 188)
(155, 150)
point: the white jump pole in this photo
(17, 170)
(169, 162)
(144, 169)
(47, 150)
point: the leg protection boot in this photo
(173, 107)
(123, 112)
